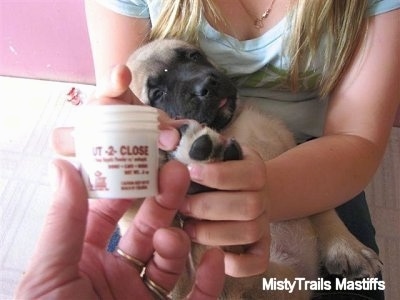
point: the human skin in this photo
(71, 261)
(312, 177)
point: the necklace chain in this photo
(259, 22)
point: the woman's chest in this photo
(247, 19)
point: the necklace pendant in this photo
(259, 23)
(265, 15)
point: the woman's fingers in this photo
(253, 261)
(156, 212)
(236, 214)
(247, 174)
(115, 85)
(225, 206)
(209, 280)
(61, 240)
(62, 141)
(171, 247)
(225, 233)
(103, 218)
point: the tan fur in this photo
(298, 247)
(268, 135)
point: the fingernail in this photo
(185, 208)
(168, 139)
(196, 171)
(190, 230)
(54, 176)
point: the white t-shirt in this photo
(258, 66)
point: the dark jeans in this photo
(355, 214)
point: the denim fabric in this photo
(113, 243)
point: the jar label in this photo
(117, 166)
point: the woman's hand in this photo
(70, 261)
(236, 214)
(114, 90)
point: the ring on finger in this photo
(133, 261)
(157, 290)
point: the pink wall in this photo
(45, 39)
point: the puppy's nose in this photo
(206, 86)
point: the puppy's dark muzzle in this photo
(204, 87)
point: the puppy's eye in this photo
(157, 93)
(194, 55)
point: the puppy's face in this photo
(178, 79)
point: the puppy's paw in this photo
(232, 151)
(200, 143)
(202, 148)
(351, 259)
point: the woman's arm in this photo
(113, 36)
(310, 178)
(324, 173)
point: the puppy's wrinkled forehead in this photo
(153, 59)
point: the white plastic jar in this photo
(116, 146)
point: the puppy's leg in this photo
(263, 287)
(341, 253)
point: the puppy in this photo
(177, 78)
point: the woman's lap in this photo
(355, 215)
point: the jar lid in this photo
(112, 115)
